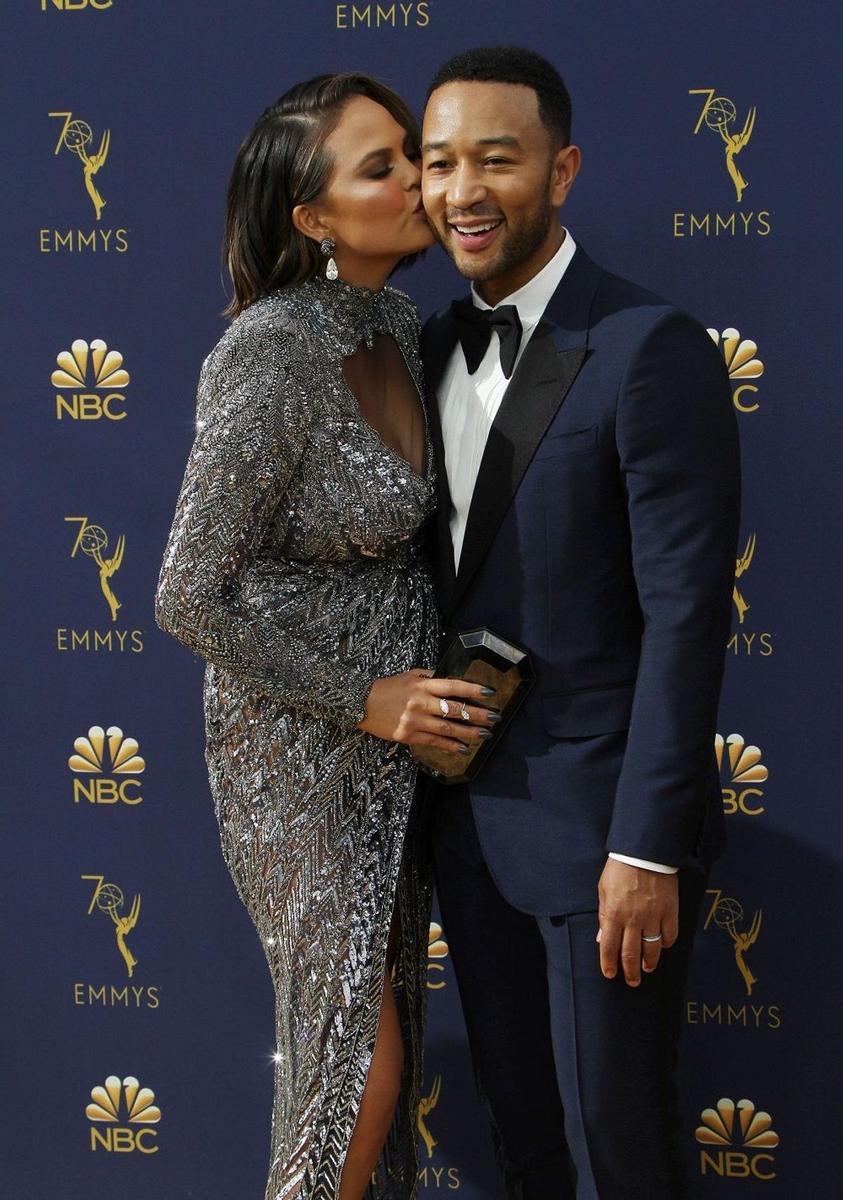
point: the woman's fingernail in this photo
(487, 691)
(464, 750)
(484, 733)
(492, 716)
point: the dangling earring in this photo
(328, 246)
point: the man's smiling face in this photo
(492, 179)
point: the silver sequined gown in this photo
(294, 567)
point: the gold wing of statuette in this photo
(746, 558)
(134, 913)
(112, 564)
(97, 160)
(752, 933)
(428, 1103)
(741, 140)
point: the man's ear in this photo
(308, 222)
(566, 165)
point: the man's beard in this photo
(516, 249)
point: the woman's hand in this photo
(406, 708)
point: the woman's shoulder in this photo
(260, 359)
(265, 337)
(266, 326)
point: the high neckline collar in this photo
(356, 313)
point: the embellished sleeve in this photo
(269, 621)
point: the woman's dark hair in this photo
(514, 64)
(282, 163)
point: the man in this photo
(588, 468)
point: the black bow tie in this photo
(475, 326)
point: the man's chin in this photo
(472, 266)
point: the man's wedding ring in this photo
(651, 937)
(444, 709)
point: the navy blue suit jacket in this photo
(602, 536)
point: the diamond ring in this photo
(444, 709)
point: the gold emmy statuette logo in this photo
(93, 540)
(719, 114)
(742, 363)
(77, 137)
(727, 914)
(432, 1176)
(741, 567)
(109, 899)
(743, 767)
(107, 374)
(753, 1132)
(437, 948)
(426, 1107)
(88, 759)
(123, 1099)
(747, 641)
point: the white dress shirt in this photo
(468, 405)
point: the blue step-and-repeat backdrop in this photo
(137, 1009)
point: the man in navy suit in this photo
(589, 483)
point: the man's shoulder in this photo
(614, 287)
(624, 304)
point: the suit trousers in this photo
(576, 1071)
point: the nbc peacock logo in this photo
(90, 379)
(120, 1113)
(741, 770)
(740, 1137)
(75, 5)
(109, 764)
(437, 949)
(740, 355)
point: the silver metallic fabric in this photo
(295, 567)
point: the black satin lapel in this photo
(439, 338)
(444, 545)
(539, 386)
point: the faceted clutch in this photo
(480, 656)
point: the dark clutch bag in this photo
(480, 656)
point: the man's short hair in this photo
(514, 64)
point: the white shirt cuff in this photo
(642, 862)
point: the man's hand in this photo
(635, 904)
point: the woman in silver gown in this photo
(296, 567)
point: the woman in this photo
(295, 567)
